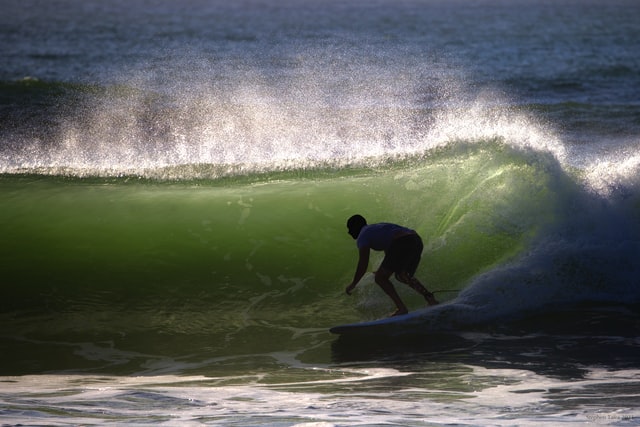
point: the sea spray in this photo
(307, 119)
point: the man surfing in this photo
(402, 251)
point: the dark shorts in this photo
(403, 255)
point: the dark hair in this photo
(355, 224)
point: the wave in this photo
(507, 231)
(143, 215)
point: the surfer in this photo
(402, 250)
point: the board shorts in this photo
(403, 256)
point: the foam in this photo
(353, 396)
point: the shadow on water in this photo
(565, 344)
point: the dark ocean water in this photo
(175, 179)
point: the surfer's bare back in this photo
(402, 248)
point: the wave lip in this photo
(250, 123)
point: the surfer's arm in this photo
(363, 264)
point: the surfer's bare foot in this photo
(398, 312)
(431, 299)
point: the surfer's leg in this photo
(415, 284)
(406, 266)
(382, 279)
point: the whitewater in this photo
(175, 183)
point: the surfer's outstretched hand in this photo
(350, 288)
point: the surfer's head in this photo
(355, 224)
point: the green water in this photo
(249, 262)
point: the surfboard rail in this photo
(389, 325)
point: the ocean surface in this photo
(175, 179)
